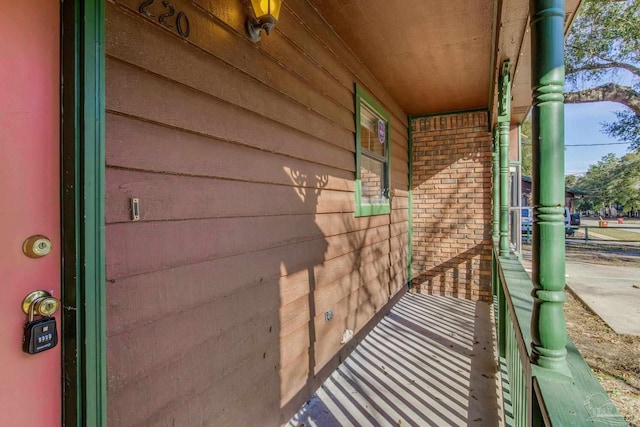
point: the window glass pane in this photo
(371, 178)
(370, 137)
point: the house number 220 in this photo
(181, 20)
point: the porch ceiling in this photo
(440, 55)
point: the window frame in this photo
(369, 209)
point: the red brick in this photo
(452, 215)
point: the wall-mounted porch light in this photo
(267, 12)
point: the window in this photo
(372, 156)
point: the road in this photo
(611, 291)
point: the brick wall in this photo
(452, 215)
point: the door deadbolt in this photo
(37, 246)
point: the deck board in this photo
(429, 362)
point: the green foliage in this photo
(612, 181)
(626, 129)
(570, 181)
(526, 160)
(604, 38)
(603, 46)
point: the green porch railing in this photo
(538, 397)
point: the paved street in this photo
(612, 292)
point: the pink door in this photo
(30, 385)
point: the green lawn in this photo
(616, 233)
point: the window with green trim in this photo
(372, 156)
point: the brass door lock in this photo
(39, 334)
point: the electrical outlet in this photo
(328, 315)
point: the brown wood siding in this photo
(243, 158)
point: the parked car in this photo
(527, 221)
(575, 219)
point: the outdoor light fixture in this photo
(267, 12)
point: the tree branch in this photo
(606, 66)
(608, 92)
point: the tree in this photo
(602, 49)
(570, 181)
(612, 181)
(626, 182)
(525, 147)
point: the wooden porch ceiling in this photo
(440, 56)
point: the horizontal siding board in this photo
(339, 297)
(316, 24)
(177, 243)
(320, 68)
(328, 272)
(159, 100)
(344, 298)
(400, 199)
(399, 228)
(399, 278)
(399, 165)
(207, 324)
(376, 284)
(401, 193)
(398, 181)
(400, 215)
(227, 402)
(133, 404)
(294, 343)
(340, 272)
(180, 242)
(332, 224)
(146, 40)
(242, 156)
(329, 334)
(325, 297)
(239, 52)
(136, 300)
(349, 242)
(293, 377)
(399, 137)
(399, 242)
(292, 316)
(295, 285)
(322, 72)
(169, 197)
(329, 338)
(131, 141)
(298, 34)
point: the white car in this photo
(527, 220)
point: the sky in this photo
(583, 125)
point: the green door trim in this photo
(83, 214)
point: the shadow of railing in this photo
(455, 276)
(429, 362)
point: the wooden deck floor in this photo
(430, 362)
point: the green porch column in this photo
(496, 184)
(504, 118)
(548, 327)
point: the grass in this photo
(617, 233)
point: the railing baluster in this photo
(528, 406)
